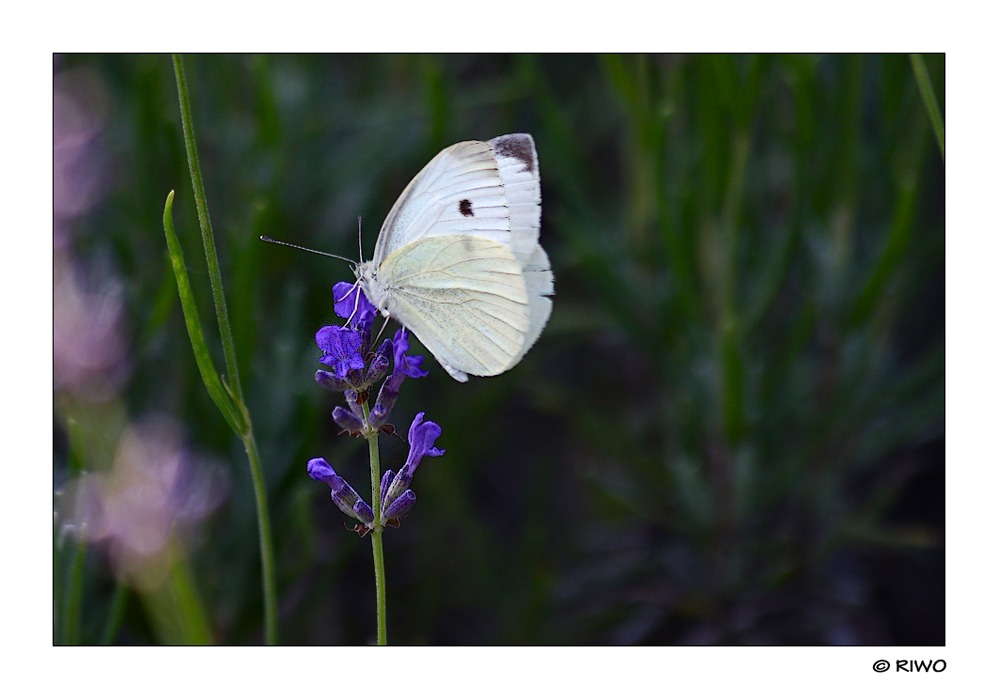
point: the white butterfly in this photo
(458, 261)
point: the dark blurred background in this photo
(730, 432)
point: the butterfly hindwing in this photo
(464, 297)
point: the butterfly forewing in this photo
(463, 172)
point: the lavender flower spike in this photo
(343, 494)
(421, 443)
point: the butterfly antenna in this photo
(268, 239)
(360, 248)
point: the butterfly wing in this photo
(432, 203)
(464, 297)
(517, 162)
(458, 261)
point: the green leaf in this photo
(205, 365)
(929, 98)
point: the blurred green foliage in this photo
(730, 431)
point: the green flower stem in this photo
(376, 533)
(266, 548)
(235, 414)
(929, 98)
(230, 401)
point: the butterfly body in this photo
(458, 260)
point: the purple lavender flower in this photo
(386, 481)
(350, 303)
(405, 366)
(347, 351)
(346, 348)
(421, 443)
(399, 507)
(343, 350)
(379, 364)
(345, 497)
(348, 421)
(408, 365)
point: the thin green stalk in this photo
(171, 603)
(116, 613)
(74, 596)
(207, 237)
(929, 98)
(376, 550)
(232, 406)
(235, 414)
(376, 533)
(729, 320)
(266, 549)
(194, 627)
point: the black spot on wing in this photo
(465, 207)
(516, 146)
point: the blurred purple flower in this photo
(154, 490)
(88, 348)
(80, 108)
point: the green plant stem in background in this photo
(207, 237)
(236, 415)
(266, 548)
(172, 604)
(376, 533)
(929, 98)
(116, 612)
(728, 317)
(233, 406)
(74, 596)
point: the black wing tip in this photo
(518, 146)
